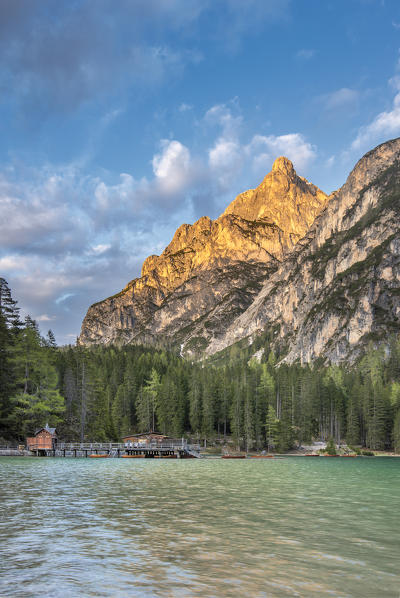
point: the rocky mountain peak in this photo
(285, 166)
(211, 262)
(284, 198)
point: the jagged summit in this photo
(283, 197)
(210, 263)
(284, 165)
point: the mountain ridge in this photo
(322, 273)
(328, 295)
(223, 246)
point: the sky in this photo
(121, 120)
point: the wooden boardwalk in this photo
(177, 450)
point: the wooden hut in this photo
(45, 439)
(145, 439)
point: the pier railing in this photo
(174, 444)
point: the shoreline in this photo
(22, 454)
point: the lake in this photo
(210, 527)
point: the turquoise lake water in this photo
(268, 528)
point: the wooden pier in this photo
(171, 450)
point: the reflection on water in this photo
(121, 527)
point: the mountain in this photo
(211, 271)
(339, 288)
(320, 275)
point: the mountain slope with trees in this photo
(102, 393)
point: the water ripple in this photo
(293, 527)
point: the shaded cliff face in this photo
(340, 287)
(212, 270)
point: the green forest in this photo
(104, 393)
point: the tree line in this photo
(105, 393)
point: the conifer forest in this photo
(105, 393)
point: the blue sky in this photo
(120, 120)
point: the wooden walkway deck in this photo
(178, 450)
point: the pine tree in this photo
(195, 403)
(9, 327)
(8, 306)
(271, 428)
(143, 411)
(207, 426)
(375, 399)
(7, 377)
(152, 389)
(168, 411)
(41, 402)
(236, 422)
(265, 396)
(121, 411)
(353, 433)
(396, 432)
(51, 339)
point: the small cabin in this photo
(145, 439)
(45, 439)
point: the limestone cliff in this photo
(211, 270)
(339, 289)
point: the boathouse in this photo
(45, 439)
(145, 439)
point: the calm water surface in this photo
(126, 527)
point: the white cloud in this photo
(64, 297)
(110, 116)
(330, 162)
(263, 150)
(224, 155)
(224, 160)
(384, 126)
(13, 263)
(185, 107)
(228, 156)
(172, 168)
(173, 160)
(242, 17)
(45, 318)
(305, 54)
(101, 248)
(222, 115)
(109, 196)
(41, 210)
(341, 98)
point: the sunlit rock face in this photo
(322, 274)
(339, 289)
(212, 270)
(284, 199)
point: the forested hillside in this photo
(103, 393)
